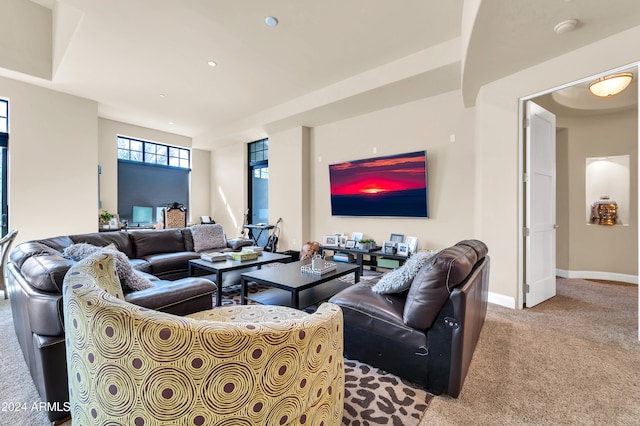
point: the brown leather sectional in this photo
(427, 334)
(35, 275)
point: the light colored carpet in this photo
(574, 359)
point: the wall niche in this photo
(608, 176)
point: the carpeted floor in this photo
(571, 360)
(574, 359)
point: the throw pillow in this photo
(206, 237)
(400, 279)
(129, 278)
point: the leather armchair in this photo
(231, 365)
(428, 333)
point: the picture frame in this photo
(413, 244)
(398, 238)
(403, 249)
(389, 247)
(114, 222)
(357, 236)
(342, 240)
(350, 244)
(330, 240)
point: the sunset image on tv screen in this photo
(394, 185)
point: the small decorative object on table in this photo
(244, 255)
(413, 244)
(214, 257)
(397, 238)
(403, 249)
(330, 240)
(256, 249)
(327, 267)
(389, 247)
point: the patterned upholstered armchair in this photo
(238, 365)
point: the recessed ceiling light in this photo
(162, 95)
(171, 123)
(565, 26)
(212, 63)
(271, 21)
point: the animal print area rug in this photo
(373, 397)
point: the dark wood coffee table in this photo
(219, 268)
(294, 288)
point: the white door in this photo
(540, 211)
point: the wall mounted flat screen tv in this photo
(393, 186)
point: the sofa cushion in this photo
(101, 239)
(157, 241)
(377, 314)
(170, 263)
(207, 237)
(130, 279)
(400, 279)
(433, 283)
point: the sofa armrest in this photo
(456, 331)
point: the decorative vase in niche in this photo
(604, 211)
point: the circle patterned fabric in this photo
(240, 365)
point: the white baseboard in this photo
(597, 275)
(502, 300)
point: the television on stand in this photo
(142, 216)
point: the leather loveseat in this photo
(428, 333)
(35, 277)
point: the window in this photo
(153, 153)
(259, 151)
(259, 184)
(4, 116)
(152, 175)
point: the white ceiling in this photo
(326, 59)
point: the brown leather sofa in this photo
(35, 275)
(427, 334)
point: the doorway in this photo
(596, 137)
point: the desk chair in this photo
(5, 245)
(174, 218)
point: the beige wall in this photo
(229, 187)
(421, 125)
(562, 199)
(53, 153)
(108, 159)
(289, 187)
(612, 249)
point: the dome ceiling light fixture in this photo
(610, 85)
